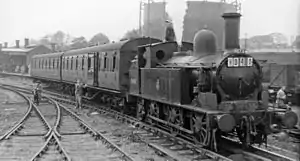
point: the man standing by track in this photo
(78, 93)
(37, 92)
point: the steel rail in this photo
(52, 140)
(18, 126)
(97, 135)
(254, 152)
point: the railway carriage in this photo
(75, 65)
(47, 66)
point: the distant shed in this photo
(18, 55)
(280, 67)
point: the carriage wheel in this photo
(176, 118)
(140, 111)
(198, 126)
(153, 111)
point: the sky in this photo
(36, 18)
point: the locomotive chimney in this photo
(232, 30)
(5, 45)
(26, 42)
(17, 43)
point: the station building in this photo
(19, 56)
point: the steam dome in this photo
(205, 43)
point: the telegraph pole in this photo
(140, 18)
(148, 21)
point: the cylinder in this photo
(289, 119)
(232, 30)
(226, 122)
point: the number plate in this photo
(240, 62)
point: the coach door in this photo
(90, 68)
(96, 67)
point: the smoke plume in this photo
(176, 10)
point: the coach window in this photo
(104, 60)
(72, 59)
(108, 63)
(76, 63)
(67, 65)
(99, 61)
(89, 62)
(63, 63)
(114, 61)
(82, 62)
(57, 63)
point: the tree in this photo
(78, 43)
(58, 38)
(99, 38)
(132, 34)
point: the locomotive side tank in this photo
(205, 93)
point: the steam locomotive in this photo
(190, 89)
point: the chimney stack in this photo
(53, 47)
(5, 45)
(17, 43)
(232, 30)
(26, 42)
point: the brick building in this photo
(10, 57)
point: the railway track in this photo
(174, 147)
(26, 137)
(43, 141)
(295, 133)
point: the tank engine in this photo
(203, 93)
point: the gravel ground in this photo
(12, 109)
(116, 129)
(120, 133)
(280, 140)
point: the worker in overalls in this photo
(78, 93)
(37, 92)
(280, 98)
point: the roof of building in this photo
(21, 49)
(274, 51)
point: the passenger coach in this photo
(47, 66)
(98, 66)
